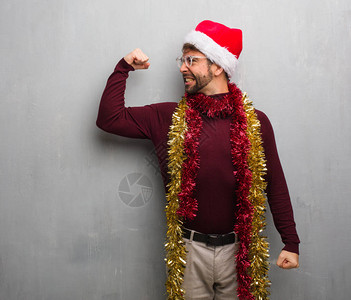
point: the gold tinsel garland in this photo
(175, 248)
(258, 251)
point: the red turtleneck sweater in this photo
(215, 191)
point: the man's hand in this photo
(288, 260)
(137, 59)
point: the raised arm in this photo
(113, 116)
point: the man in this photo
(221, 155)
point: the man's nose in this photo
(183, 67)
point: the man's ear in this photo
(218, 70)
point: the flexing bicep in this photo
(134, 122)
(114, 117)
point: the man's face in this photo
(198, 75)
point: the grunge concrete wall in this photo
(81, 211)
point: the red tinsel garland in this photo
(240, 150)
(232, 106)
(188, 204)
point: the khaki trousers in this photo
(210, 271)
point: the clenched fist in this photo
(137, 59)
(288, 260)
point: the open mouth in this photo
(188, 80)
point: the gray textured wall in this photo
(69, 228)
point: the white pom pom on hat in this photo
(221, 44)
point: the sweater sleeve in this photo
(277, 189)
(114, 117)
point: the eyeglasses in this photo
(187, 59)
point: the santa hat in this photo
(221, 44)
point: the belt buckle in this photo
(212, 238)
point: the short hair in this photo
(189, 47)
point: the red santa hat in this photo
(219, 43)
